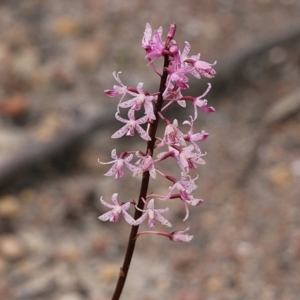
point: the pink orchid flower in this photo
(131, 124)
(153, 214)
(201, 67)
(175, 236)
(194, 137)
(117, 90)
(172, 135)
(145, 163)
(139, 99)
(199, 102)
(116, 209)
(154, 46)
(117, 168)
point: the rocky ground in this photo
(56, 58)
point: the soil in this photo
(56, 59)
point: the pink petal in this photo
(129, 218)
(112, 171)
(114, 199)
(163, 220)
(106, 204)
(144, 135)
(106, 216)
(120, 132)
(141, 219)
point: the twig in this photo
(38, 154)
(279, 112)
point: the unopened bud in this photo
(171, 33)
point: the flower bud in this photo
(171, 33)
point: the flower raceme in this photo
(176, 144)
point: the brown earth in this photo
(56, 58)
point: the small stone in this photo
(244, 249)
(26, 63)
(11, 248)
(87, 54)
(213, 284)
(99, 245)
(66, 26)
(109, 272)
(10, 207)
(68, 252)
(34, 240)
(280, 176)
(14, 106)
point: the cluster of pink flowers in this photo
(180, 146)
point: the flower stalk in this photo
(143, 191)
(182, 147)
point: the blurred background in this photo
(56, 58)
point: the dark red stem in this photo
(144, 188)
